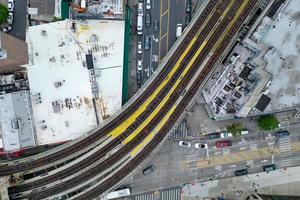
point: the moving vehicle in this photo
(10, 18)
(241, 172)
(139, 26)
(184, 144)
(178, 30)
(140, 9)
(212, 136)
(224, 143)
(118, 194)
(225, 134)
(155, 26)
(148, 170)
(147, 42)
(148, 4)
(139, 65)
(200, 146)
(139, 47)
(148, 19)
(10, 5)
(268, 168)
(280, 134)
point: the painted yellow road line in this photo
(126, 123)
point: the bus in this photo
(139, 26)
(117, 194)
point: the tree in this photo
(3, 13)
(267, 122)
(235, 129)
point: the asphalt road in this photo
(20, 20)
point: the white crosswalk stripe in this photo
(285, 149)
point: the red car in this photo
(224, 143)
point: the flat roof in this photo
(62, 87)
(263, 102)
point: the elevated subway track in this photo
(179, 90)
(102, 152)
(90, 141)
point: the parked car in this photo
(280, 134)
(10, 18)
(140, 65)
(184, 144)
(10, 5)
(155, 26)
(241, 172)
(178, 30)
(148, 4)
(212, 136)
(200, 146)
(268, 168)
(6, 29)
(147, 42)
(224, 143)
(140, 9)
(139, 47)
(188, 7)
(225, 135)
(148, 19)
(148, 170)
(244, 132)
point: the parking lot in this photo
(159, 22)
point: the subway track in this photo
(166, 107)
(100, 153)
(86, 142)
(119, 175)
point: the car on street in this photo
(225, 135)
(184, 144)
(10, 18)
(188, 7)
(148, 170)
(6, 29)
(224, 143)
(241, 172)
(148, 4)
(280, 134)
(178, 30)
(139, 66)
(140, 9)
(213, 136)
(200, 146)
(10, 5)
(148, 19)
(155, 26)
(140, 50)
(244, 132)
(268, 168)
(147, 42)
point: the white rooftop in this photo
(60, 83)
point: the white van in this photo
(139, 26)
(148, 4)
(140, 9)
(178, 30)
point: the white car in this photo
(244, 132)
(10, 18)
(148, 4)
(139, 48)
(10, 5)
(225, 135)
(140, 65)
(6, 29)
(184, 144)
(200, 146)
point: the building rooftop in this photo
(66, 91)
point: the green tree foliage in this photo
(267, 122)
(3, 13)
(235, 129)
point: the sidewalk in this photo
(278, 182)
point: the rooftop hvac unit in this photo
(15, 124)
(44, 33)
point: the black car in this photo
(155, 26)
(147, 42)
(268, 168)
(212, 136)
(241, 172)
(280, 134)
(148, 19)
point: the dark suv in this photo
(241, 172)
(212, 136)
(280, 134)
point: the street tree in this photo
(235, 129)
(267, 122)
(3, 13)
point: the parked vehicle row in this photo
(196, 145)
(10, 18)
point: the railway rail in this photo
(173, 98)
(20, 166)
